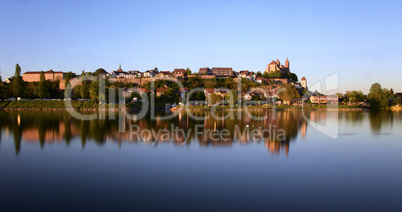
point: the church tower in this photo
(287, 63)
(303, 82)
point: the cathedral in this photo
(277, 66)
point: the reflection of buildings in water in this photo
(276, 146)
(303, 129)
(236, 124)
(58, 134)
(318, 117)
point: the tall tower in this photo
(287, 63)
(303, 82)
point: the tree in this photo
(266, 75)
(288, 92)
(134, 95)
(156, 70)
(188, 71)
(294, 77)
(377, 97)
(339, 95)
(67, 81)
(94, 90)
(83, 85)
(275, 74)
(391, 94)
(210, 83)
(200, 96)
(233, 100)
(42, 88)
(214, 99)
(99, 71)
(259, 74)
(17, 82)
(195, 82)
(1, 87)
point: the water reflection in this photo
(50, 127)
(381, 122)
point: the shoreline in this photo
(276, 109)
(187, 109)
(38, 105)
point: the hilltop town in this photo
(216, 81)
(214, 86)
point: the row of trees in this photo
(30, 90)
(279, 74)
(378, 97)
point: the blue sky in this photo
(361, 40)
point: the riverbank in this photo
(94, 106)
(61, 105)
(280, 108)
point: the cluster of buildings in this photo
(204, 73)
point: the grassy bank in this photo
(87, 105)
(57, 105)
(279, 107)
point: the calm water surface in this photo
(50, 161)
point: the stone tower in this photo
(303, 82)
(287, 63)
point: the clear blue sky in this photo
(359, 39)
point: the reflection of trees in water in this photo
(57, 126)
(354, 117)
(381, 119)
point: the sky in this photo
(359, 40)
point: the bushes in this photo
(40, 104)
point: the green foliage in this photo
(339, 95)
(214, 99)
(259, 74)
(84, 85)
(234, 99)
(17, 83)
(247, 84)
(41, 89)
(188, 71)
(1, 88)
(228, 83)
(275, 74)
(96, 73)
(210, 83)
(94, 90)
(197, 96)
(287, 92)
(134, 95)
(67, 81)
(171, 95)
(194, 82)
(354, 96)
(266, 75)
(294, 77)
(160, 84)
(378, 97)
(41, 104)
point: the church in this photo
(277, 66)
